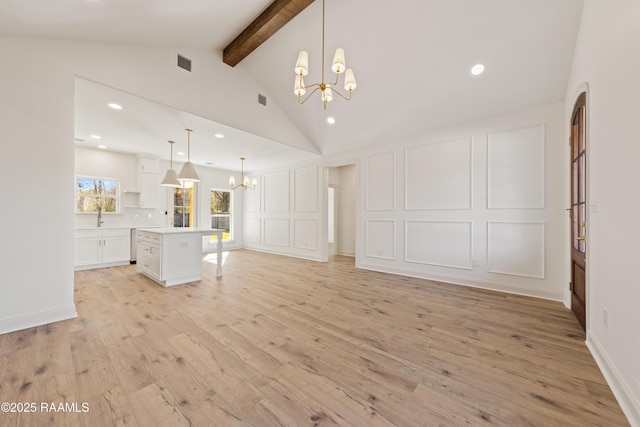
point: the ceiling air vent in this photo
(184, 63)
(262, 100)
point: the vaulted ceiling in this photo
(412, 58)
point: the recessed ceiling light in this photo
(103, 147)
(219, 135)
(180, 153)
(115, 106)
(477, 69)
(331, 120)
(96, 136)
(209, 163)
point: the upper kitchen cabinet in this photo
(148, 165)
(148, 181)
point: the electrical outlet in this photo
(605, 317)
(476, 262)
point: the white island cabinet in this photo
(173, 256)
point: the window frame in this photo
(191, 207)
(223, 215)
(116, 197)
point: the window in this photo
(183, 205)
(93, 192)
(221, 206)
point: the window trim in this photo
(117, 196)
(230, 215)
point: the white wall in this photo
(606, 62)
(476, 204)
(37, 134)
(285, 215)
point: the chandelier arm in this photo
(338, 92)
(308, 86)
(309, 96)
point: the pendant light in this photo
(188, 172)
(170, 178)
(245, 179)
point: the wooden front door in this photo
(579, 210)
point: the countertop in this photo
(182, 230)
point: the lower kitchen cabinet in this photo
(101, 248)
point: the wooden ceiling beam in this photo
(264, 26)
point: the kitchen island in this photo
(173, 256)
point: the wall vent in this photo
(262, 100)
(184, 63)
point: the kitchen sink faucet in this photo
(100, 221)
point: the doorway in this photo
(331, 220)
(578, 212)
(341, 211)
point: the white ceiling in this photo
(411, 59)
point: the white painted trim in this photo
(466, 281)
(511, 273)
(395, 239)
(395, 185)
(37, 319)
(463, 267)
(101, 265)
(629, 404)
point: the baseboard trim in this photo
(621, 390)
(37, 319)
(472, 283)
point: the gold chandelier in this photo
(326, 89)
(244, 183)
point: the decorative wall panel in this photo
(444, 243)
(276, 192)
(381, 239)
(252, 198)
(305, 234)
(276, 232)
(515, 168)
(252, 231)
(438, 176)
(306, 189)
(381, 182)
(516, 248)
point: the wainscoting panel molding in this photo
(305, 235)
(305, 189)
(443, 243)
(381, 239)
(252, 198)
(381, 182)
(276, 232)
(515, 169)
(276, 192)
(516, 248)
(438, 176)
(252, 230)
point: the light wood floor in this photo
(280, 341)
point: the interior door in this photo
(579, 210)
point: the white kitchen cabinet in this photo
(147, 182)
(101, 248)
(173, 256)
(149, 254)
(148, 190)
(148, 165)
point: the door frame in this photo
(584, 87)
(325, 196)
